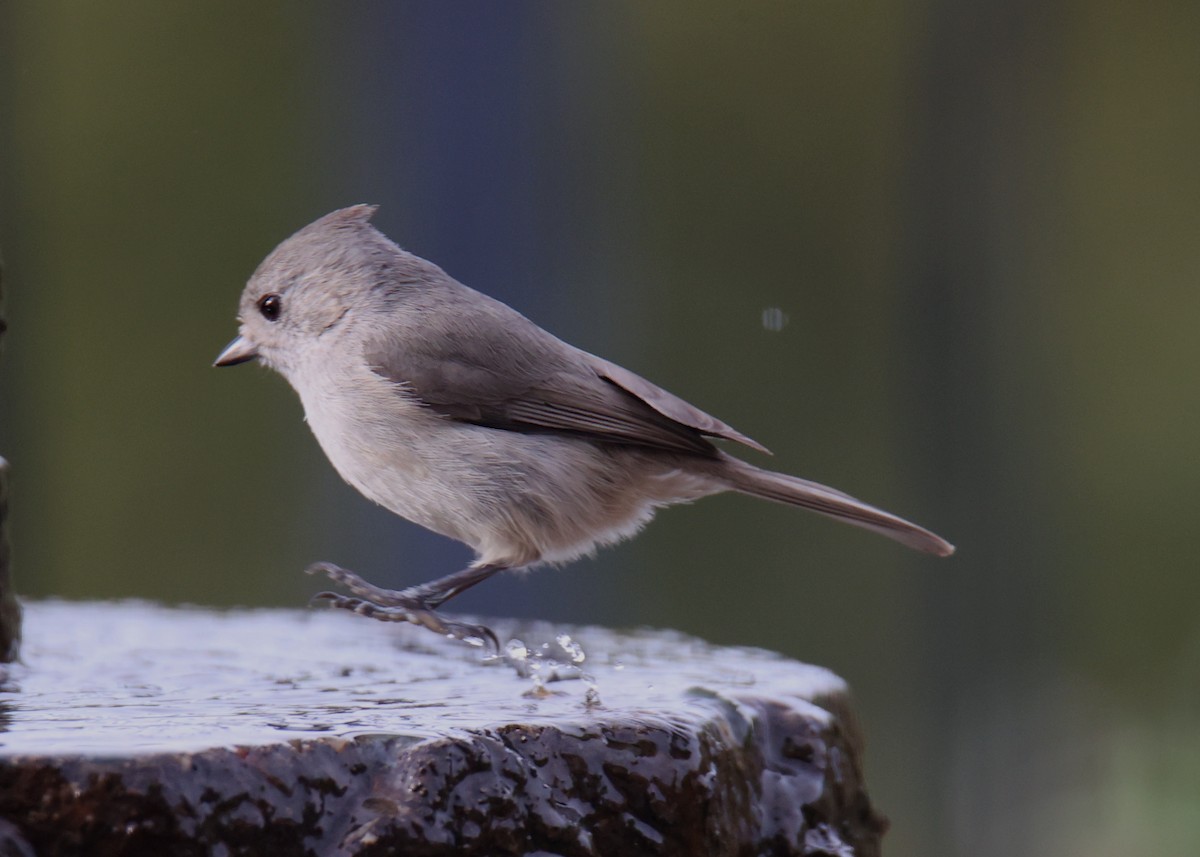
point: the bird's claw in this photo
(472, 635)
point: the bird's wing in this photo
(478, 375)
(670, 405)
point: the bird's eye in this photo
(270, 306)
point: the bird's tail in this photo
(830, 502)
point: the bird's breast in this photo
(384, 444)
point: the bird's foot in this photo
(389, 605)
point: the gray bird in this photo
(456, 412)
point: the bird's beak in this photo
(238, 351)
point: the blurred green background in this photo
(981, 222)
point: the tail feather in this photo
(832, 503)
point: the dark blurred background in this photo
(942, 255)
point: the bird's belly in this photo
(406, 483)
(517, 499)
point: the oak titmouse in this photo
(456, 412)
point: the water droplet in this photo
(572, 649)
(774, 319)
(515, 650)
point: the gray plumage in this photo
(456, 412)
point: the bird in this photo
(454, 411)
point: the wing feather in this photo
(472, 373)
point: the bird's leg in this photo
(416, 604)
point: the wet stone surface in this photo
(135, 729)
